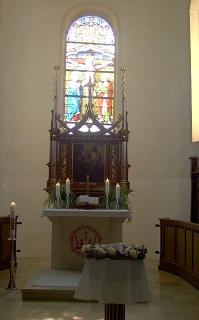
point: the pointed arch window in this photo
(194, 37)
(89, 77)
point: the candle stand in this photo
(107, 203)
(67, 201)
(117, 204)
(11, 285)
(58, 203)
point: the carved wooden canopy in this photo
(88, 151)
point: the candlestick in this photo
(58, 190)
(123, 98)
(117, 195)
(117, 191)
(67, 186)
(107, 189)
(107, 186)
(12, 238)
(54, 111)
(13, 209)
(12, 220)
(58, 200)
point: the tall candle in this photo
(67, 186)
(13, 209)
(57, 190)
(117, 191)
(12, 219)
(107, 186)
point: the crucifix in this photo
(90, 86)
(87, 183)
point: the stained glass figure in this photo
(90, 54)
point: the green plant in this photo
(124, 201)
(50, 202)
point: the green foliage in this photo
(50, 202)
(124, 202)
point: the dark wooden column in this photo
(114, 311)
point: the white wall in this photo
(155, 47)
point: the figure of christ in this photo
(94, 163)
(90, 64)
(88, 162)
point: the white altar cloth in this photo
(72, 228)
(87, 213)
(113, 281)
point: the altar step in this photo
(51, 284)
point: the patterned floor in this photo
(172, 298)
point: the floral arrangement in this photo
(115, 251)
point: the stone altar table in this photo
(72, 228)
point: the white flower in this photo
(111, 250)
(137, 247)
(86, 247)
(133, 254)
(98, 248)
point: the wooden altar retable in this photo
(72, 228)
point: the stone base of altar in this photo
(57, 285)
(73, 228)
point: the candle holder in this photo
(58, 203)
(11, 284)
(67, 201)
(117, 204)
(107, 202)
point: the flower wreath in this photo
(114, 251)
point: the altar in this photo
(88, 157)
(73, 228)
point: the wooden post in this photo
(114, 311)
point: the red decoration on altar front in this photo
(83, 235)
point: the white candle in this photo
(12, 219)
(107, 186)
(67, 186)
(57, 190)
(13, 209)
(117, 191)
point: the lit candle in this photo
(117, 191)
(107, 186)
(67, 186)
(12, 219)
(13, 209)
(57, 190)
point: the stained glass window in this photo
(89, 79)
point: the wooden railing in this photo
(179, 249)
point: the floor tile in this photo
(171, 298)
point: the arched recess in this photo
(108, 15)
(194, 36)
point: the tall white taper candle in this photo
(57, 190)
(117, 191)
(107, 186)
(67, 186)
(12, 219)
